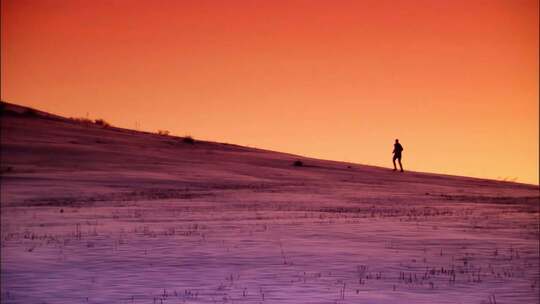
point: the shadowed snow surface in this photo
(107, 215)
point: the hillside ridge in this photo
(30, 114)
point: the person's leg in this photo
(400, 165)
(394, 162)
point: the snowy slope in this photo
(98, 214)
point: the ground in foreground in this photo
(104, 215)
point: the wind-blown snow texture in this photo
(105, 215)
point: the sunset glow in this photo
(455, 81)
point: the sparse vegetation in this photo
(188, 140)
(102, 122)
(30, 112)
(5, 109)
(252, 229)
(99, 121)
(163, 132)
(82, 120)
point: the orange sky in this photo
(456, 81)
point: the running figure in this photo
(397, 155)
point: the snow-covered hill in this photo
(95, 214)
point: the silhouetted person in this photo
(397, 155)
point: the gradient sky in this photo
(456, 81)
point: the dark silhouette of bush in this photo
(101, 122)
(163, 132)
(30, 113)
(188, 140)
(298, 163)
(82, 120)
(6, 110)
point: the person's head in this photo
(397, 140)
